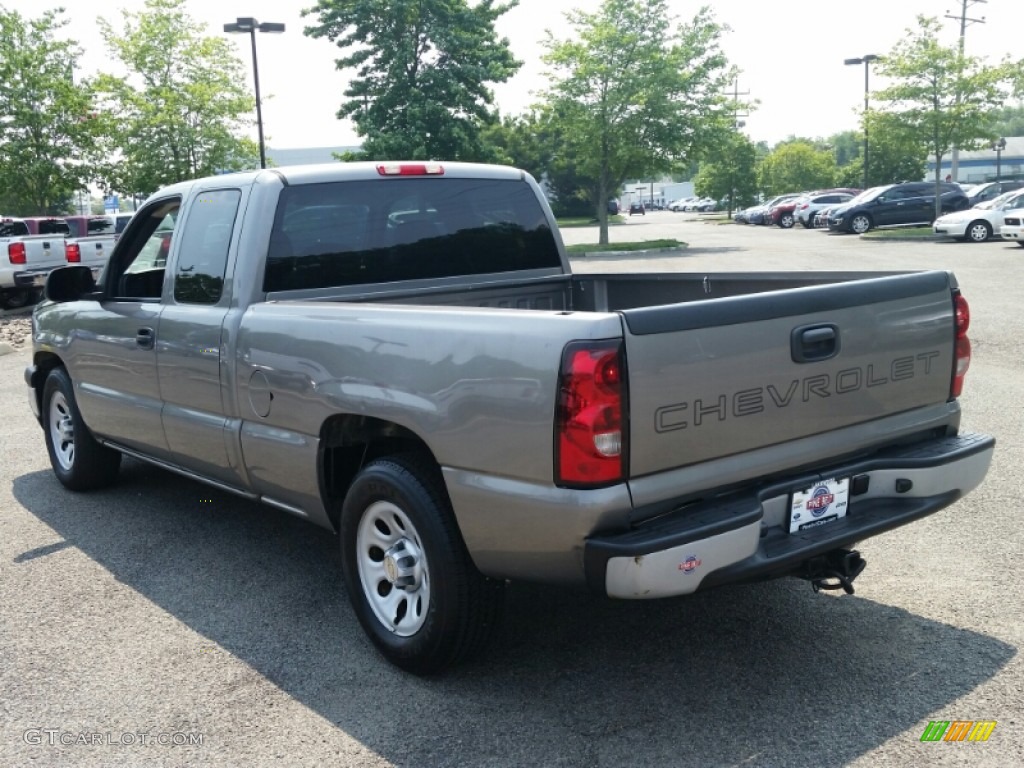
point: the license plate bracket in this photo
(824, 502)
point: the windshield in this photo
(997, 203)
(869, 194)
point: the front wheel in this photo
(979, 231)
(409, 578)
(78, 460)
(860, 223)
(786, 220)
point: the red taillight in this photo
(590, 429)
(962, 345)
(16, 253)
(962, 314)
(72, 253)
(410, 169)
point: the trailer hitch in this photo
(833, 570)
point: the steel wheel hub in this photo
(62, 431)
(393, 568)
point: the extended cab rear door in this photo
(721, 377)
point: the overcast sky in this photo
(791, 55)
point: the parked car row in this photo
(856, 211)
(31, 247)
(695, 204)
(982, 222)
(977, 216)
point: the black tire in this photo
(16, 298)
(978, 231)
(450, 609)
(860, 223)
(78, 460)
(787, 220)
(1020, 243)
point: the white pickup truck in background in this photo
(92, 239)
(29, 249)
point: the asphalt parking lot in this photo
(160, 622)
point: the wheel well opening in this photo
(348, 443)
(44, 362)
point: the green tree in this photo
(796, 166)
(1009, 121)
(47, 134)
(181, 112)
(635, 93)
(732, 176)
(522, 141)
(532, 142)
(846, 146)
(423, 67)
(946, 97)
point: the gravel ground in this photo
(16, 331)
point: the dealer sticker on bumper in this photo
(822, 503)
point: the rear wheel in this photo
(78, 460)
(409, 577)
(860, 223)
(978, 231)
(16, 298)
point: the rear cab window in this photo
(359, 232)
(13, 228)
(54, 227)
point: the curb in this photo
(924, 239)
(620, 254)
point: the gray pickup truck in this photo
(400, 352)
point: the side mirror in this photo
(70, 284)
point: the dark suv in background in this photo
(895, 205)
(991, 190)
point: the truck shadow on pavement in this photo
(767, 674)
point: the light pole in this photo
(866, 61)
(999, 145)
(249, 25)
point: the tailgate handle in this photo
(812, 343)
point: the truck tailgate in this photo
(723, 376)
(44, 251)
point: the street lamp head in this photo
(247, 25)
(999, 144)
(853, 61)
(867, 58)
(871, 57)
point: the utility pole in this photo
(964, 21)
(736, 125)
